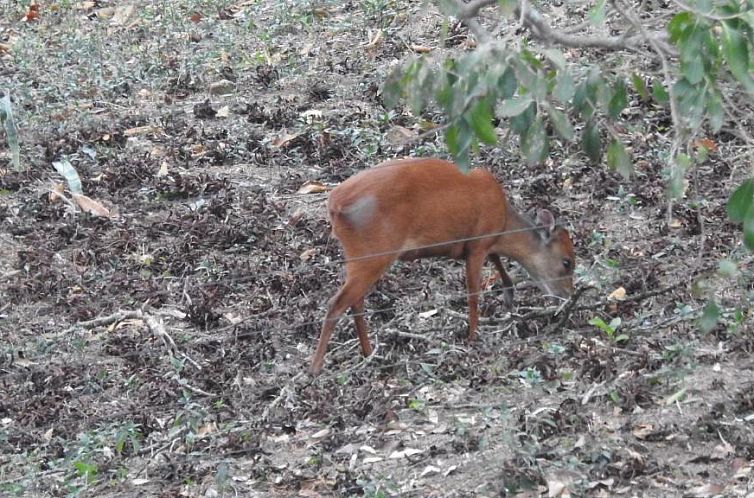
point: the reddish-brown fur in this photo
(411, 208)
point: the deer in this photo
(407, 209)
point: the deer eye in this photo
(567, 263)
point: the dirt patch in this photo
(198, 128)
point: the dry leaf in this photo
(306, 49)
(56, 193)
(163, 171)
(320, 434)
(421, 49)
(321, 12)
(618, 294)
(742, 468)
(374, 41)
(705, 491)
(195, 17)
(429, 469)
(308, 254)
(130, 322)
(32, 14)
(223, 112)
(105, 13)
(427, 314)
(91, 206)
(140, 130)
(557, 487)
(406, 452)
(398, 135)
(284, 139)
(207, 429)
(707, 143)
(312, 187)
(723, 450)
(222, 87)
(88, 5)
(469, 44)
(311, 115)
(121, 15)
(642, 431)
(675, 223)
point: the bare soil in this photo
(197, 124)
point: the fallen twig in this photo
(565, 313)
(284, 391)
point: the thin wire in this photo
(335, 262)
(464, 294)
(438, 244)
(451, 296)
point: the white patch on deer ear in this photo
(546, 220)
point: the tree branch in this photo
(535, 22)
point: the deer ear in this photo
(546, 221)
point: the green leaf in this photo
(678, 168)
(618, 101)
(600, 324)
(659, 92)
(66, 169)
(727, 268)
(534, 143)
(597, 13)
(749, 229)
(715, 110)
(564, 87)
(480, 117)
(618, 159)
(591, 143)
(561, 123)
(420, 88)
(459, 138)
(11, 131)
(506, 85)
(515, 106)
(521, 123)
(556, 57)
(692, 101)
(736, 52)
(693, 70)
(449, 7)
(678, 25)
(582, 103)
(507, 6)
(639, 86)
(741, 202)
(710, 316)
(531, 59)
(602, 93)
(85, 470)
(391, 90)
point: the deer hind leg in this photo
(360, 277)
(474, 262)
(507, 282)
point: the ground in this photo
(195, 125)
